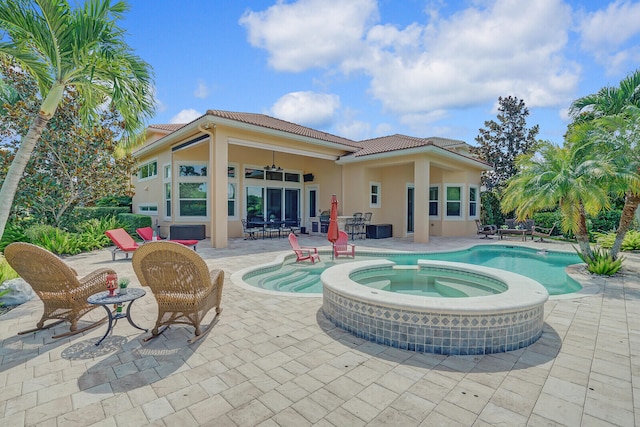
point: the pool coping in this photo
(577, 272)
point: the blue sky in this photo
(366, 68)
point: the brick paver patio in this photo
(276, 361)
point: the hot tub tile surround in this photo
(466, 326)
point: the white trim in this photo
(167, 180)
(146, 163)
(148, 212)
(462, 202)
(378, 204)
(477, 202)
(438, 216)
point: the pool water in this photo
(428, 282)
(545, 267)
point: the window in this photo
(232, 186)
(193, 198)
(453, 202)
(166, 177)
(473, 202)
(192, 190)
(148, 170)
(148, 208)
(434, 201)
(374, 199)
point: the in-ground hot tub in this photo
(497, 322)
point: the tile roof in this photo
(168, 127)
(281, 125)
(366, 147)
(402, 142)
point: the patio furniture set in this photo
(517, 228)
(272, 228)
(184, 288)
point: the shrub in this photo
(12, 233)
(115, 201)
(605, 221)
(61, 242)
(602, 263)
(631, 240)
(79, 215)
(6, 272)
(132, 221)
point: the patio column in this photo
(421, 171)
(218, 162)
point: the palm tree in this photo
(83, 49)
(611, 104)
(570, 177)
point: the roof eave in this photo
(188, 130)
(417, 150)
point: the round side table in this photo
(103, 299)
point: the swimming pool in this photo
(545, 267)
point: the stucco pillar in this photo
(421, 171)
(218, 162)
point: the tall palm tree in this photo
(570, 177)
(611, 104)
(83, 49)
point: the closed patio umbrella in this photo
(332, 232)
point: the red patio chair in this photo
(303, 253)
(341, 247)
(123, 241)
(146, 234)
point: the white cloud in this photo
(309, 33)
(185, 116)
(474, 56)
(307, 108)
(202, 91)
(606, 33)
(492, 48)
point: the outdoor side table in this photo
(103, 299)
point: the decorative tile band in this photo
(420, 328)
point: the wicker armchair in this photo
(64, 295)
(181, 283)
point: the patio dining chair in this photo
(249, 232)
(182, 284)
(62, 293)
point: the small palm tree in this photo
(83, 49)
(571, 177)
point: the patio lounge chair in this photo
(341, 247)
(303, 253)
(487, 230)
(63, 294)
(146, 234)
(542, 232)
(123, 241)
(182, 284)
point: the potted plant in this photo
(123, 283)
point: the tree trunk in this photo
(18, 165)
(582, 235)
(626, 218)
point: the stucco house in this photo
(212, 172)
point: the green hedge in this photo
(83, 214)
(132, 221)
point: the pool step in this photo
(295, 282)
(457, 289)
